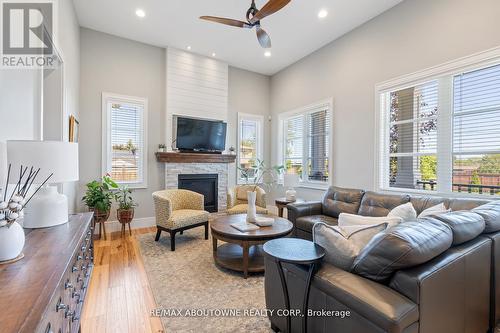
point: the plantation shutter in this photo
(127, 146)
(318, 144)
(294, 144)
(476, 131)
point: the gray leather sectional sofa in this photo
(456, 288)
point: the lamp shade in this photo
(291, 180)
(56, 157)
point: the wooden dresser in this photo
(44, 292)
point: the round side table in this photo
(281, 203)
(295, 251)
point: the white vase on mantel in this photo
(11, 241)
(252, 209)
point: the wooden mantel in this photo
(172, 157)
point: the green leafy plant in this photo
(260, 174)
(124, 198)
(99, 195)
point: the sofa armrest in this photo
(386, 308)
(296, 210)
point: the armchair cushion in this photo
(185, 217)
(242, 209)
(238, 196)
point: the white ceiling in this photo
(295, 31)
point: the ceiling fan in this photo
(253, 17)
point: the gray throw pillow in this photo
(343, 244)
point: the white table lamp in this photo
(48, 207)
(290, 181)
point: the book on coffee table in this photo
(244, 227)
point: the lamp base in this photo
(47, 208)
(290, 195)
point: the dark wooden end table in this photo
(243, 250)
(295, 251)
(281, 203)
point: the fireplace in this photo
(206, 184)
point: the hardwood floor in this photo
(119, 297)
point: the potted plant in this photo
(258, 173)
(162, 148)
(126, 204)
(98, 197)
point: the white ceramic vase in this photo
(11, 241)
(252, 210)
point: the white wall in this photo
(412, 36)
(249, 92)
(196, 87)
(117, 65)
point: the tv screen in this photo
(200, 135)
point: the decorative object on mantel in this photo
(258, 174)
(162, 148)
(232, 150)
(49, 207)
(11, 209)
(74, 129)
(98, 200)
(125, 210)
(290, 181)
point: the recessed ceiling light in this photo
(322, 13)
(213, 54)
(189, 48)
(141, 13)
(267, 54)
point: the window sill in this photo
(440, 194)
(314, 186)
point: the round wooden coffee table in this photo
(243, 250)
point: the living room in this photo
(250, 166)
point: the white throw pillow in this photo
(405, 212)
(434, 210)
(343, 244)
(346, 219)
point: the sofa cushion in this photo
(491, 215)
(343, 244)
(346, 220)
(464, 224)
(422, 203)
(406, 245)
(434, 210)
(466, 204)
(341, 200)
(306, 223)
(377, 204)
(405, 211)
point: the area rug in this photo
(194, 295)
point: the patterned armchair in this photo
(237, 199)
(179, 210)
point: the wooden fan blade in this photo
(263, 37)
(231, 22)
(269, 8)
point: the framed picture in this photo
(74, 129)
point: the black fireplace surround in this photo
(205, 184)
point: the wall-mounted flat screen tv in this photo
(199, 135)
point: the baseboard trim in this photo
(139, 223)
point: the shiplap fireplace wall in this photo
(196, 86)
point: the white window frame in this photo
(259, 119)
(305, 111)
(106, 136)
(444, 73)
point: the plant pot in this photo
(11, 241)
(125, 215)
(100, 216)
(252, 209)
